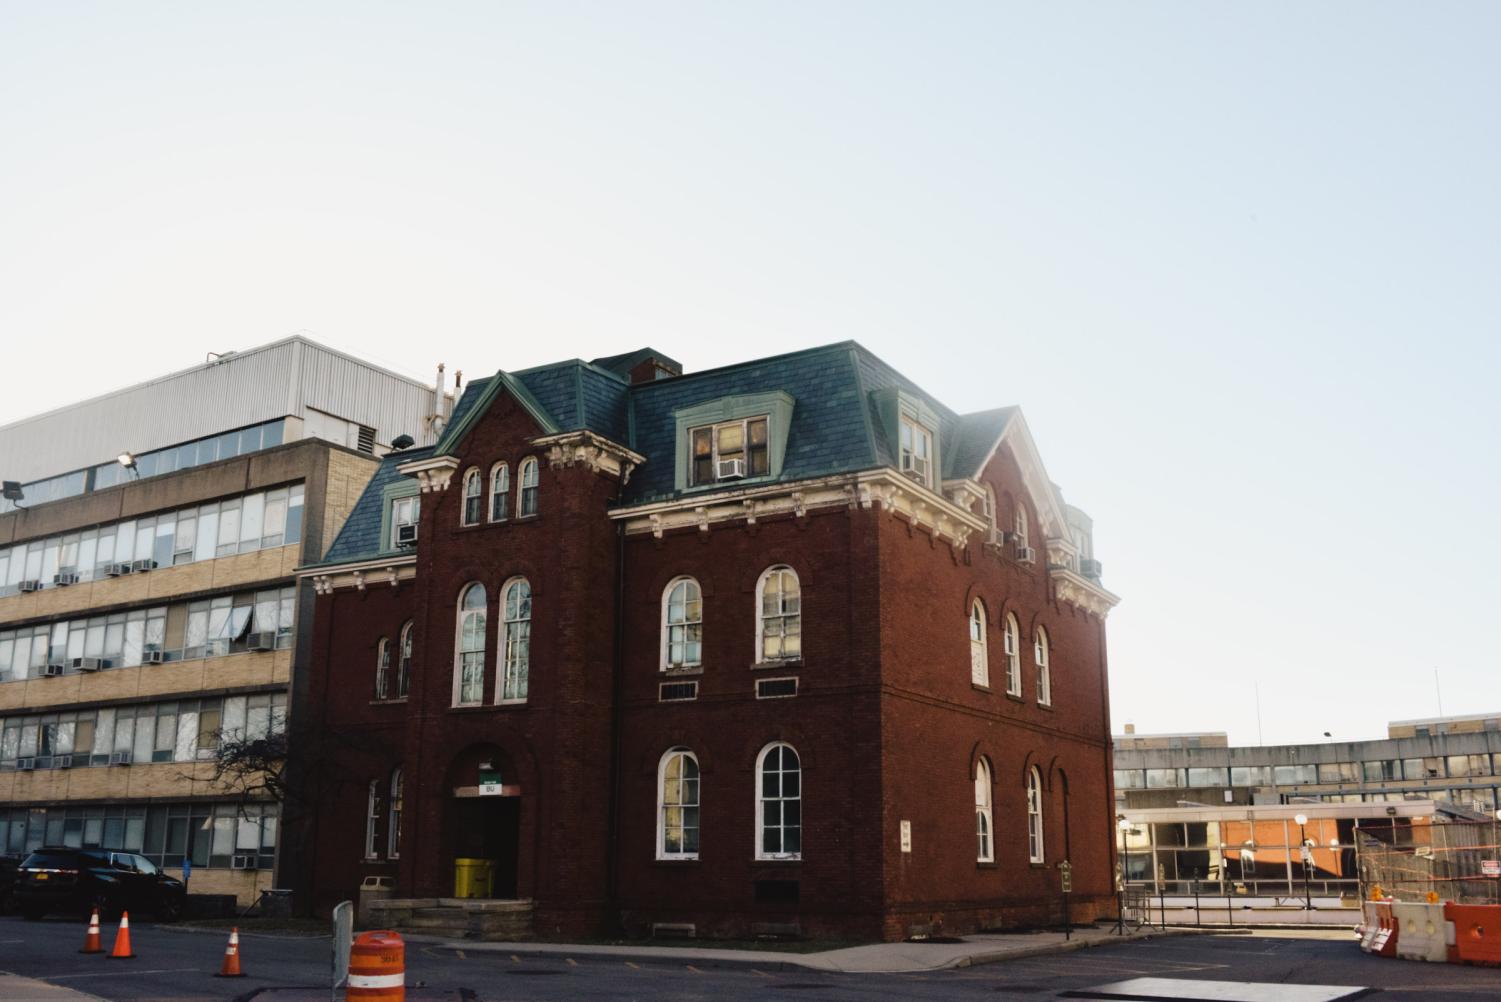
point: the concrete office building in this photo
(148, 603)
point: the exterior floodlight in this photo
(126, 460)
(1300, 819)
(1125, 825)
(11, 491)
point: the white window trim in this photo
(979, 648)
(758, 655)
(383, 669)
(663, 664)
(984, 807)
(502, 655)
(458, 641)
(1020, 526)
(1042, 656)
(528, 465)
(372, 818)
(919, 431)
(503, 490)
(396, 523)
(992, 513)
(1036, 848)
(472, 475)
(662, 805)
(761, 814)
(1013, 641)
(393, 815)
(713, 429)
(404, 657)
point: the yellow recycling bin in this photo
(473, 878)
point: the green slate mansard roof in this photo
(836, 425)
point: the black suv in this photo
(58, 879)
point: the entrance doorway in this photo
(490, 828)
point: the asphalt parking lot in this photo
(174, 963)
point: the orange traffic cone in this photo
(122, 940)
(231, 968)
(91, 942)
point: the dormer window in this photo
(729, 451)
(917, 451)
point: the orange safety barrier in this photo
(91, 943)
(1379, 932)
(377, 968)
(231, 966)
(1477, 933)
(122, 949)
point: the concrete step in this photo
(486, 922)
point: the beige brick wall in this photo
(116, 783)
(176, 678)
(246, 886)
(347, 477)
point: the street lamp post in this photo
(1307, 857)
(1123, 826)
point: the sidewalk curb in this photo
(1068, 946)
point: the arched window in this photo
(517, 642)
(500, 492)
(527, 503)
(779, 615)
(404, 662)
(1013, 648)
(1044, 673)
(682, 625)
(469, 672)
(383, 669)
(677, 803)
(393, 824)
(372, 818)
(474, 497)
(984, 823)
(979, 653)
(988, 504)
(1034, 815)
(779, 803)
(1021, 525)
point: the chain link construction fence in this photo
(1454, 860)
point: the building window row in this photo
(515, 641)
(226, 624)
(167, 539)
(187, 730)
(779, 620)
(979, 654)
(397, 685)
(779, 798)
(1348, 773)
(497, 489)
(213, 836)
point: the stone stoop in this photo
(457, 918)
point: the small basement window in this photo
(674, 692)
(776, 688)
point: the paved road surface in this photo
(175, 964)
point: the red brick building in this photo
(782, 645)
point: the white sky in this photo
(1237, 262)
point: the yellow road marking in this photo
(634, 967)
(515, 958)
(695, 970)
(571, 962)
(459, 954)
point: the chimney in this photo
(1130, 728)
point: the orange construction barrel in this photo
(377, 967)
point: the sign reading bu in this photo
(1490, 867)
(489, 783)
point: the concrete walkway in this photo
(876, 958)
(14, 988)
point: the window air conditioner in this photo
(25, 764)
(119, 758)
(261, 642)
(242, 862)
(1026, 554)
(142, 566)
(116, 570)
(87, 664)
(29, 586)
(63, 579)
(1090, 568)
(51, 671)
(62, 761)
(153, 657)
(915, 467)
(731, 469)
(406, 534)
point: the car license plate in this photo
(43, 876)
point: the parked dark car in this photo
(59, 879)
(9, 864)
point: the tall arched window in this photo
(682, 625)
(779, 803)
(372, 818)
(404, 662)
(469, 672)
(979, 653)
(527, 503)
(988, 504)
(474, 497)
(500, 492)
(517, 642)
(677, 805)
(1020, 526)
(1013, 646)
(779, 615)
(383, 669)
(984, 822)
(393, 815)
(1034, 815)
(1040, 655)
